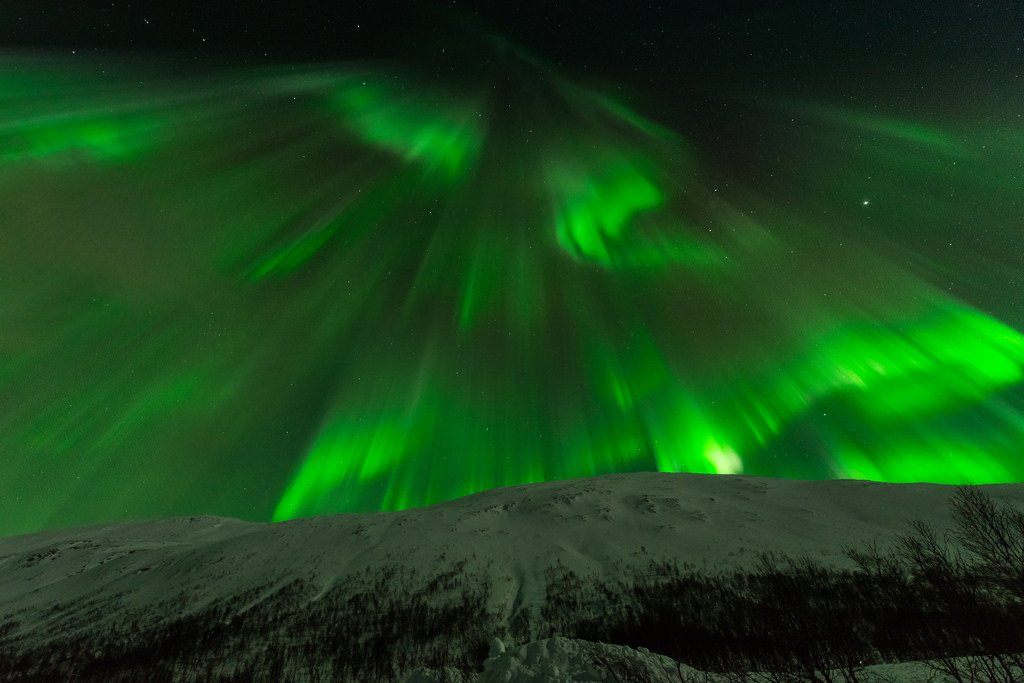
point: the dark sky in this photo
(660, 39)
(865, 52)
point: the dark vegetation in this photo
(373, 627)
(955, 598)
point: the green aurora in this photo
(295, 291)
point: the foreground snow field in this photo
(97, 584)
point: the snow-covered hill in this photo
(75, 585)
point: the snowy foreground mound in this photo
(564, 659)
(207, 597)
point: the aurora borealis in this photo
(299, 289)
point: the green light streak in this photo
(950, 356)
(417, 125)
(291, 291)
(354, 218)
(897, 130)
(931, 450)
(941, 462)
(596, 203)
(99, 140)
(349, 453)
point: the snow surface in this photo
(564, 659)
(580, 661)
(604, 525)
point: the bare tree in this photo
(994, 534)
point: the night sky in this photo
(287, 260)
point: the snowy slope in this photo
(78, 582)
(599, 524)
(565, 659)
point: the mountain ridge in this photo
(61, 585)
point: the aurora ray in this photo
(316, 290)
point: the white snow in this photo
(603, 524)
(565, 659)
